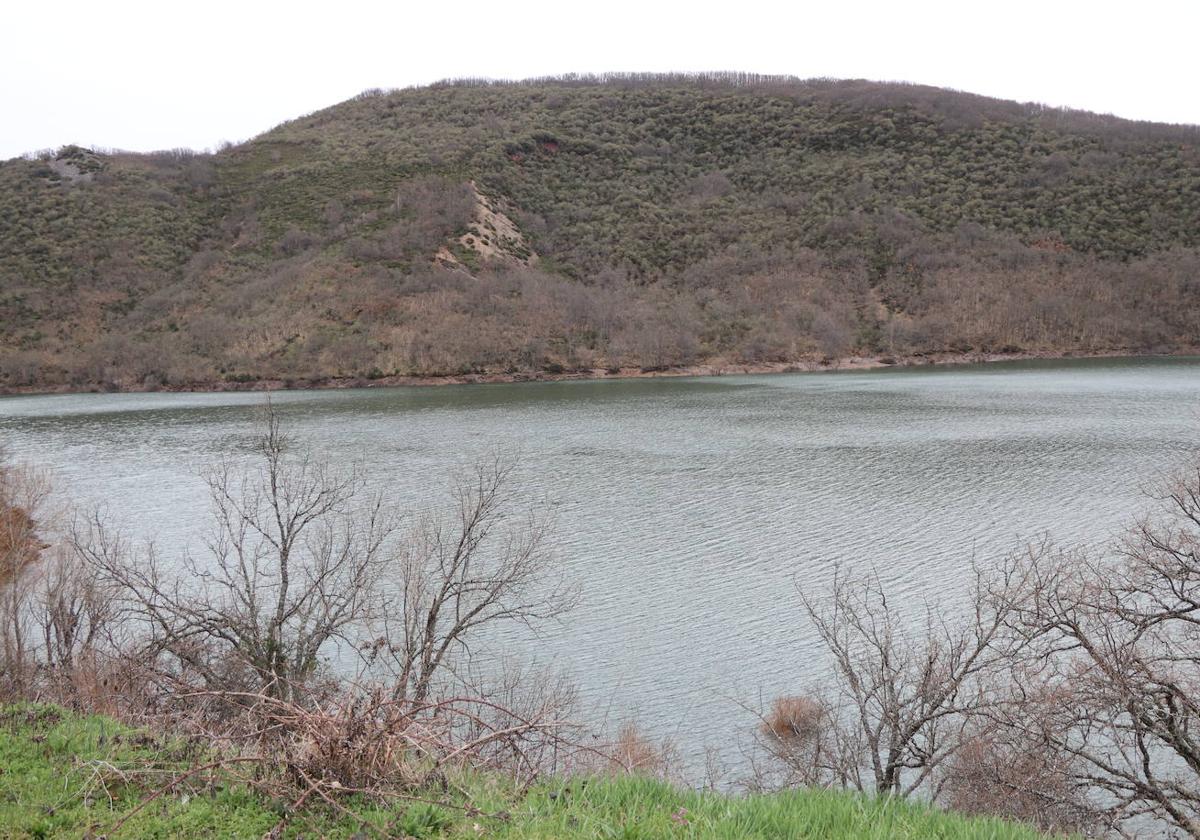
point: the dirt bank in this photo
(712, 369)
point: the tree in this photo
(479, 567)
(294, 563)
(303, 563)
(902, 691)
(1065, 697)
(1110, 676)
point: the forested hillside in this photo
(600, 223)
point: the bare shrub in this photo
(55, 616)
(636, 754)
(710, 186)
(20, 368)
(333, 213)
(200, 172)
(359, 744)
(295, 241)
(508, 698)
(432, 209)
(999, 773)
(628, 752)
(795, 721)
(19, 543)
(361, 739)
(799, 738)
(74, 611)
(24, 494)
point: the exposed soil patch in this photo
(493, 235)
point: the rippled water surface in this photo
(689, 510)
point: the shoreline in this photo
(808, 365)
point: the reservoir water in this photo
(688, 511)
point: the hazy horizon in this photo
(299, 115)
(141, 77)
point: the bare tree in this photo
(294, 563)
(903, 689)
(54, 615)
(1111, 675)
(1065, 697)
(482, 565)
(304, 563)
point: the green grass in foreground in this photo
(63, 775)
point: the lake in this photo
(688, 511)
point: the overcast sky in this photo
(154, 75)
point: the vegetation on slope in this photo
(67, 775)
(655, 221)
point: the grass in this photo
(645, 808)
(67, 775)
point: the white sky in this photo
(153, 75)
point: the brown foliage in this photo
(996, 774)
(802, 743)
(634, 753)
(794, 720)
(20, 545)
(24, 495)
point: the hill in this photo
(600, 223)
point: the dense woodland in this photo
(600, 223)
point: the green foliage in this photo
(66, 775)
